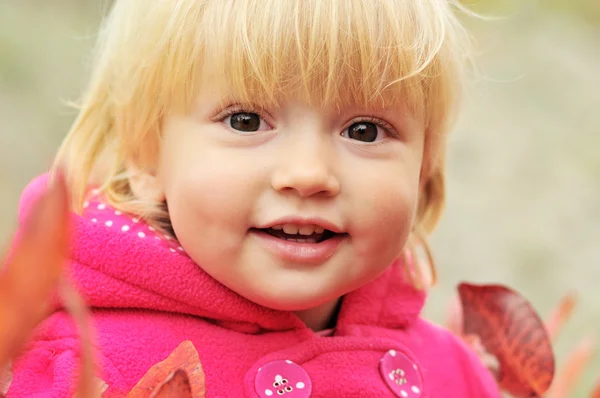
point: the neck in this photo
(322, 317)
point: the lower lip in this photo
(300, 252)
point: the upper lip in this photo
(320, 222)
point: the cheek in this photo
(207, 198)
(386, 213)
(395, 209)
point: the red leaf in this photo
(510, 329)
(185, 358)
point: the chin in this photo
(289, 300)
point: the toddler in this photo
(257, 177)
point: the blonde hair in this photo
(153, 57)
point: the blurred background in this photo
(524, 168)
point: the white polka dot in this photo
(157, 237)
(167, 237)
(278, 378)
(393, 353)
(141, 234)
(94, 220)
(117, 213)
(268, 392)
(101, 206)
(180, 248)
(125, 228)
(173, 250)
(135, 220)
(300, 385)
(404, 393)
(415, 367)
(288, 361)
(151, 229)
(86, 205)
(108, 223)
(415, 389)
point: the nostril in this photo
(306, 182)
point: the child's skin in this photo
(228, 171)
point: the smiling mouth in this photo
(315, 237)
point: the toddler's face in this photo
(291, 206)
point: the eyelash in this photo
(233, 109)
(389, 129)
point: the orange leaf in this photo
(101, 386)
(596, 391)
(33, 270)
(454, 321)
(575, 365)
(6, 377)
(184, 358)
(177, 385)
(561, 315)
(510, 329)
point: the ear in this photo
(145, 185)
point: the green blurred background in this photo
(524, 169)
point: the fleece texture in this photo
(147, 296)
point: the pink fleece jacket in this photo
(148, 296)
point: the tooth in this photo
(277, 227)
(306, 230)
(290, 229)
(319, 230)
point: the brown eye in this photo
(362, 131)
(247, 122)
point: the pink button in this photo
(402, 375)
(282, 378)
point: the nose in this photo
(306, 167)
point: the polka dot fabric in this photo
(96, 211)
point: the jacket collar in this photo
(115, 267)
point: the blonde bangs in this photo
(325, 52)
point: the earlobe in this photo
(146, 185)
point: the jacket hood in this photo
(117, 261)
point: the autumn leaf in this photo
(596, 391)
(509, 328)
(33, 270)
(5, 378)
(168, 375)
(32, 273)
(577, 361)
(454, 322)
(177, 385)
(561, 315)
